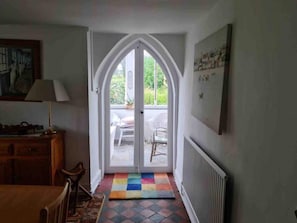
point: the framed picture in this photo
(211, 69)
(19, 67)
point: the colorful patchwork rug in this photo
(141, 185)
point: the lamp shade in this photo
(47, 90)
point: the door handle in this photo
(141, 112)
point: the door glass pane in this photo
(122, 113)
(155, 113)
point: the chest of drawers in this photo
(32, 159)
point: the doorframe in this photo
(104, 73)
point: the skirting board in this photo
(95, 181)
(178, 180)
(190, 210)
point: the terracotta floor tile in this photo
(128, 213)
(147, 213)
(146, 203)
(147, 221)
(129, 204)
(112, 204)
(127, 221)
(163, 203)
(109, 213)
(165, 212)
(167, 220)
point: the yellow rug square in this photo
(120, 181)
(133, 194)
(148, 186)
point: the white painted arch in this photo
(104, 72)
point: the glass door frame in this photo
(169, 167)
(139, 48)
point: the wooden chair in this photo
(159, 138)
(75, 175)
(56, 212)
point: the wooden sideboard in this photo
(32, 159)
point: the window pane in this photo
(155, 83)
(117, 86)
(122, 82)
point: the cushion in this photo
(128, 120)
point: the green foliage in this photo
(162, 96)
(117, 90)
(149, 73)
(117, 85)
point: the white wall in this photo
(102, 44)
(258, 149)
(175, 44)
(64, 57)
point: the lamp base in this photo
(49, 131)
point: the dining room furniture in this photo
(159, 138)
(22, 203)
(74, 175)
(32, 159)
(57, 210)
(125, 133)
(126, 127)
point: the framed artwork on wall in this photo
(211, 69)
(19, 67)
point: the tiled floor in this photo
(142, 210)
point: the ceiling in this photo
(127, 16)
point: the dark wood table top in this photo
(22, 203)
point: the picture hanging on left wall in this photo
(19, 67)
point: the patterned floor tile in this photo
(147, 213)
(146, 203)
(165, 212)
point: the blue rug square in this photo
(147, 175)
(134, 187)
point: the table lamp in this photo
(49, 91)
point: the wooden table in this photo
(22, 203)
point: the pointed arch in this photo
(104, 73)
(124, 44)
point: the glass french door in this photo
(139, 99)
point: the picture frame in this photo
(19, 67)
(210, 79)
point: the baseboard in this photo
(191, 212)
(95, 181)
(178, 180)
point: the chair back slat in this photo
(56, 211)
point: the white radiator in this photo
(204, 183)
